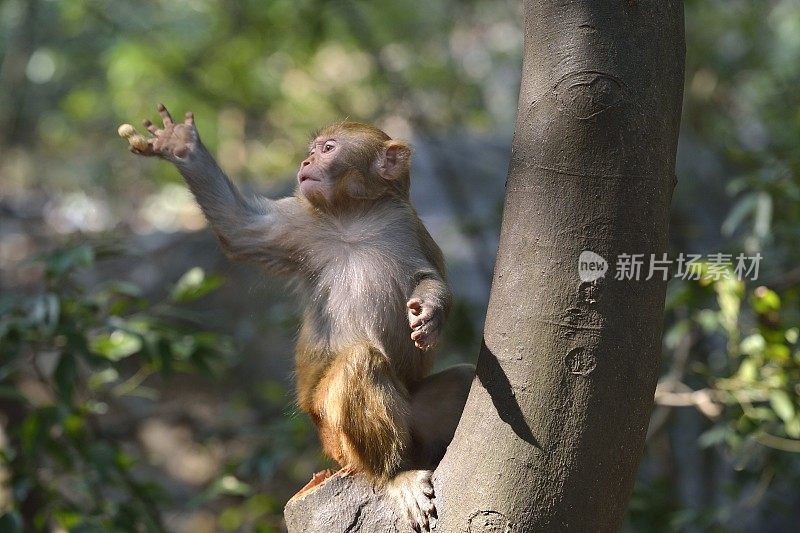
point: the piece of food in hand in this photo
(126, 131)
(134, 139)
(138, 142)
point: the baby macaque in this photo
(374, 292)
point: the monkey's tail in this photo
(370, 407)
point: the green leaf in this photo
(61, 262)
(119, 296)
(123, 460)
(753, 344)
(765, 300)
(729, 298)
(792, 428)
(779, 353)
(103, 377)
(11, 522)
(116, 345)
(716, 435)
(183, 347)
(748, 371)
(231, 519)
(9, 392)
(782, 403)
(273, 392)
(52, 309)
(194, 284)
(44, 312)
(29, 434)
(164, 356)
(103, 457)
(746, 205)
(707, 319)
(65, 377)
(763, 414)
(261, 504)
(230, 485)
(123, 288)
(73, 426)
(67, 519)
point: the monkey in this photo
(374, 293)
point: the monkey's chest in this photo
(359, 293)
(360, 280)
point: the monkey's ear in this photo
(394, 160)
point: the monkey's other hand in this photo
(426, 319)
(174, 141)
(412, 495)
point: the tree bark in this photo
(554, 427)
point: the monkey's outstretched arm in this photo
(257, 229)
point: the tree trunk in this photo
(554, 426)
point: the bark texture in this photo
(554, 426)
(342, 505)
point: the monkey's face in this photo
(351, 162)
(317, 171)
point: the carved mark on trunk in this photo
(587, 94)
(580, 361)
(488, 522)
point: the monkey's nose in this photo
(305, 163)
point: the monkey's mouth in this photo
(307, 178)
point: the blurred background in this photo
(145, 381)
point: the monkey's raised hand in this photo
(426, 319)
(174, 141)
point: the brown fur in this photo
(360, 400)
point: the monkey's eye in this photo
(328, 146)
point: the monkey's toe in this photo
(412, 494)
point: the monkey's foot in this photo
(412, 495)
(316, 480)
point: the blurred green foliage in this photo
(731, 347)
(742, 101)
(82, 350)
(260, 76)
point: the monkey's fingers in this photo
(137, 143)
(189, 120)
(415, 305)
(423, 347)
(165, 116)
(423, 343)
(423, 328)
(420, 505)
(143, 147)
(425, 336)
(151, 127)
(421, 320)
(423, 317)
